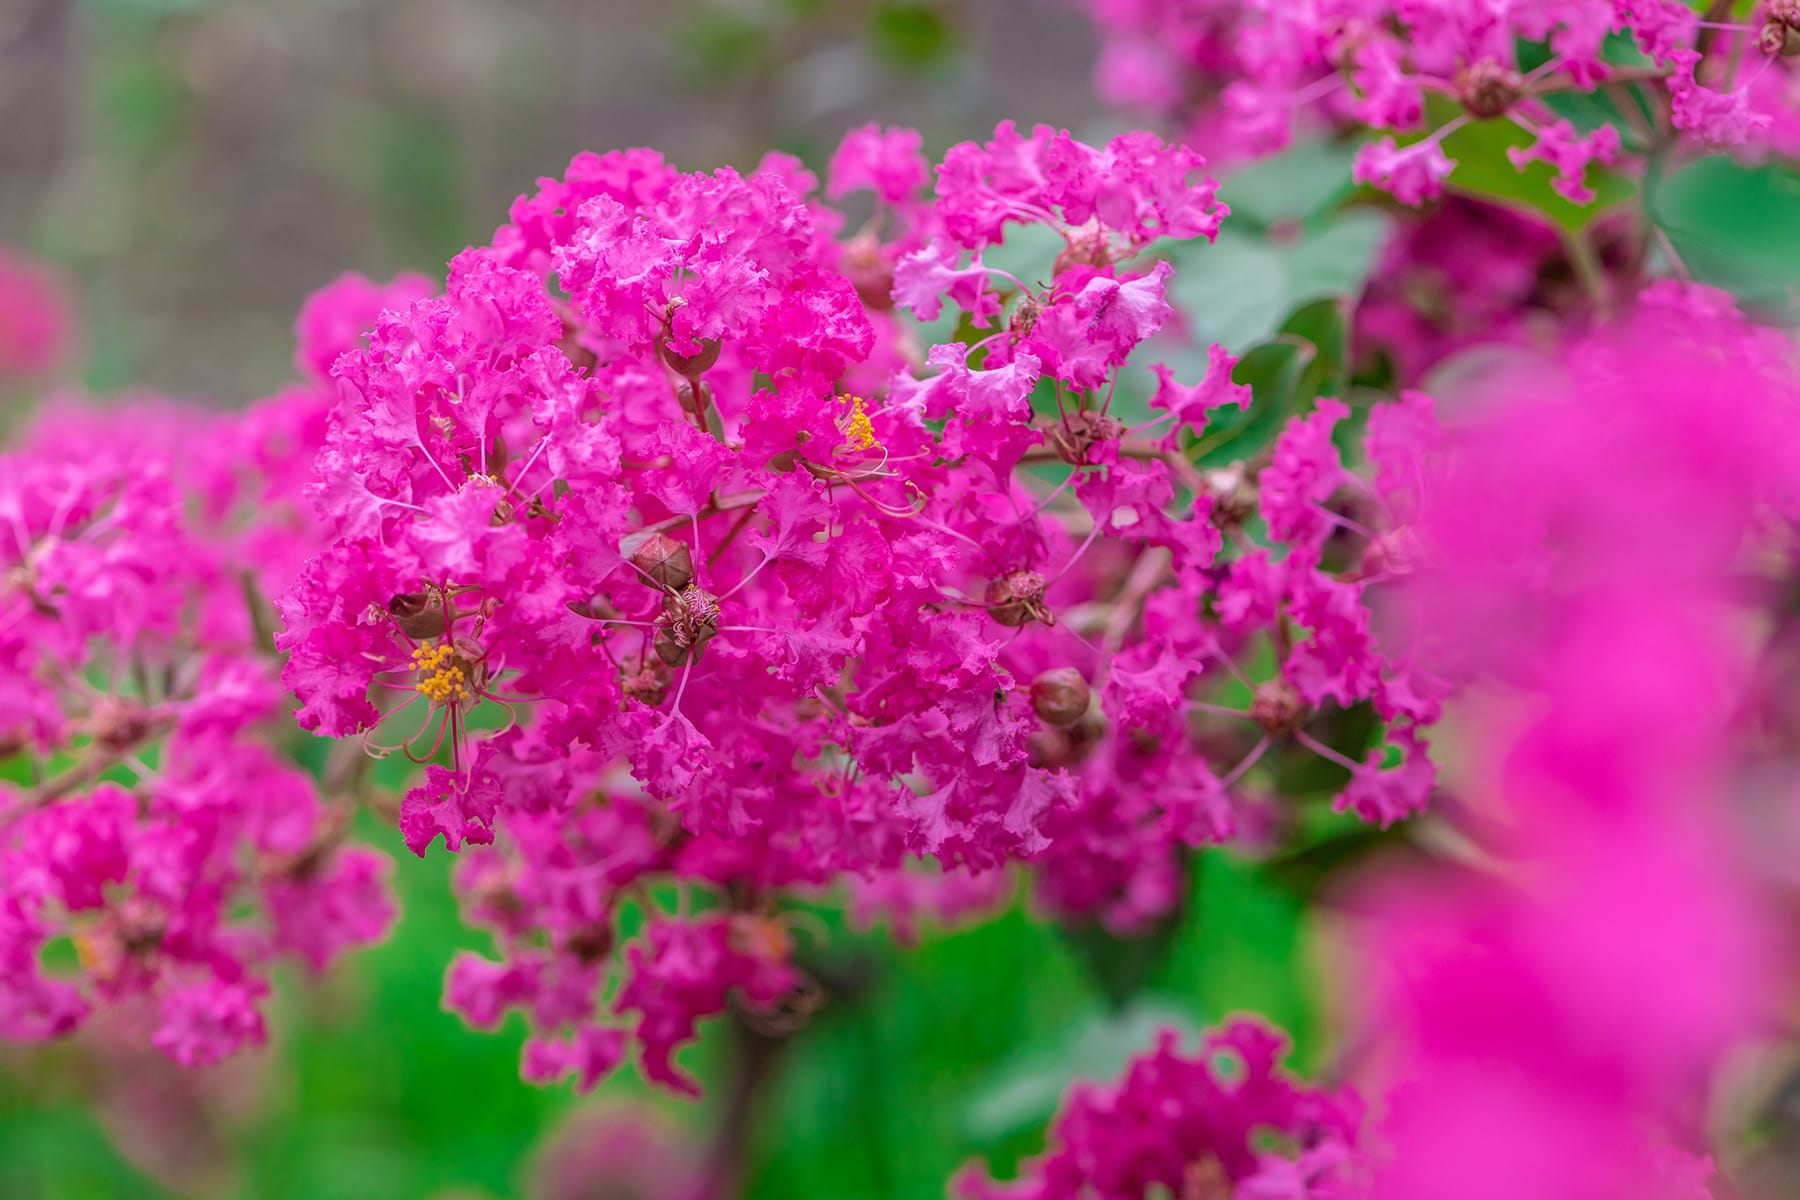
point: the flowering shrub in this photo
(713, 559)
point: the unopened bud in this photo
(420, 615)
(1488, 89)
(590, 943)
(690, 366)
(1781, 34)
(664, 561)
(1025, 316)
(1395, 552)
(1018, 597)
(1060, 695)
(119, 724)
(1277, 707)
(685, 393)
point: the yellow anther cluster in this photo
(859, 434)
(442, 675)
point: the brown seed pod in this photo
(1060, 695)
(1018, 597)
(664, 561)
(420, 615)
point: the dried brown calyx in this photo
(649, 684)
(1781, 29)
(688, 622)
(1018, 597)
(1075, 435)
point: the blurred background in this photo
(201, 165)
(196, 167)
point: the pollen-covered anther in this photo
(443, 674)
(859, 430)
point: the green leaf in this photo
(911, 34)
(1326, 325)
(1735, 228)
(1026, 1091)
(1238, 291)
(1297, 185)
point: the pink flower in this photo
(1413, 174)
(35, 316)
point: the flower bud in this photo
(1781, 33)
(664, 561)
(1025, 316)
(1277, 707)
(1060, 695)
(420, 615)
(1018, 597)
(685, 393)
(1488, 89)
(590, 943)
(1394, 552)
(119, 723)
(690, 366)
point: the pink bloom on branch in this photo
(1568, 154)
(884, 161)
(1190, 405)
(1413, 174)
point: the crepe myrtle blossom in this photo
(679, 562)
(1615, 945)
(160, 855)
(1244, 77)
(35, 318)
(1222, 1120)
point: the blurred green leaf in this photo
(1735, 228)
(1296, 185)
(1026, 1091)
(911, 34)
(1238, 291)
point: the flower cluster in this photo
(665, 541)
(157, 852)
(1224, 1121)
(1246, 76)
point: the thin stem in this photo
(1325, 752)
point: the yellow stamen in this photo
(444, 675)
(859, 432)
